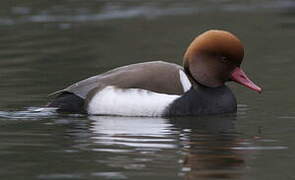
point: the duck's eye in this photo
(224, 59)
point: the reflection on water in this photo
(208, 146)
(205, 145)
(127, 147)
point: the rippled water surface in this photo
(47, 45)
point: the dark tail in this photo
(69, 103)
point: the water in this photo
(47, 45)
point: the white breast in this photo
(129, 102)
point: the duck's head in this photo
(214, 57)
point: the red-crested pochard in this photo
(160, 88)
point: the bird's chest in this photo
(203, 102)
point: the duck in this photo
(163, 89)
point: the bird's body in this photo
(157, 76)
(159, 88)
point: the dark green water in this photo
(47, 45)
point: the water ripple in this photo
(123, 10)
(31, 113)
(261, 148)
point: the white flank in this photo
(186, 84)
(129, 102)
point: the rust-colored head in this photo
(212, 58)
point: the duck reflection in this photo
(116, 125)
(137, 132)
(208, 145)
